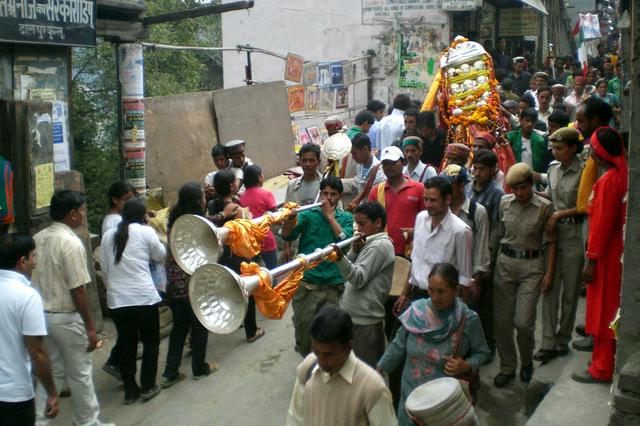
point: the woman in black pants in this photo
(224, 207)
(191, 200)
(132, 297)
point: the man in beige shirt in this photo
(333, 387)
(60, 276)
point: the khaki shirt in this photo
(61, 266)
(522, 225)
(564, 183)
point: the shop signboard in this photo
(519, 23)
(458, 5)
(384, 10)
(50, 22)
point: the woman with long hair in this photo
(225, 207)
(440, 336)
(603, 270)
(132, 297)
(191, 200)
(118, 194)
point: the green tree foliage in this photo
(94, 107)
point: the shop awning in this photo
(537, 5)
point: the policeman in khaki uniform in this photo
(521, 272)
(564, 179)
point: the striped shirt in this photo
(61, 266)
(368, 276)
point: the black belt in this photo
(50, 312)
(571, 220)
(519, 254)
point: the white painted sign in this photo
(457, 5)
(384, 10)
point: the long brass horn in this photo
(195, 241)
(219, 296)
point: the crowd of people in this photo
(484, 244)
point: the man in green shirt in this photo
(362, 123)
(322, 285)
(613, 73)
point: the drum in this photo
(401, 273)
(441, 402)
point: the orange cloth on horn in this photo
(245, 237)
(273, 302)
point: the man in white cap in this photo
(235, 151)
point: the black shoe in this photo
(130, 399)
(112, 370)
(563, 350)
(584, 345)
(580, 331)
(526, 373)
(170, 381)
(545, 355)
(150, 393)
(503, 380)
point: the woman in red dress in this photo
(603, 271)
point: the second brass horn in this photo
(195, 241)
(218, 296)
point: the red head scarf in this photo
(486, 136)
(619, 161)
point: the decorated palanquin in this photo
(464, 91)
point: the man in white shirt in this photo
(392, 126)
(544, 105)
(368, 171)
(333, 387)
(439, 236)
(415, 169)
(475, 215)
(235, 151)
(221, 161)
(60, 276)
(22, 328)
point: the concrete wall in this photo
(180, 131)
(259, 115)
(330, 30)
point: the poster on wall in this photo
(60, 136)
(314, 134)
(418, 51)
(310, 74)
(295, 95)
(342, 98)
(336, 75)
(348, 73)
(327, 97)
(312, 101)
(293, 68)
(386, 10)
(324, 75)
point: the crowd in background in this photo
(484, 244)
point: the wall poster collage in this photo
(318, 87)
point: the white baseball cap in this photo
(391, 153)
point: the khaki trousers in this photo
(565, 292)
(516, 293)
(306, 303)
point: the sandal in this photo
(259, 333)
(212, 367)
(170, 381)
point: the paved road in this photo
(252, 387)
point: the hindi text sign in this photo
(53, 22)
